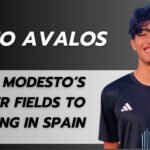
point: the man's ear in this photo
(132, 42)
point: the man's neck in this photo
(142, 73)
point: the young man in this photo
(125, 103)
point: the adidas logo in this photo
(126, 107)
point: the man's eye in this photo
(142, 34)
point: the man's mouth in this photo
(147, 49)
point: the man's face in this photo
(141, 44)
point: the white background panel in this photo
(95, 81)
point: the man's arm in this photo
(108, 130)
(109, 145)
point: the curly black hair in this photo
(140, 18)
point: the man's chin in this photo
(145, 61)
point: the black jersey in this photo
(125, 113)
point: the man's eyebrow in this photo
(147, 30)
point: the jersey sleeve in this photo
(108, 130)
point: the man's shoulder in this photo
(118, 84)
